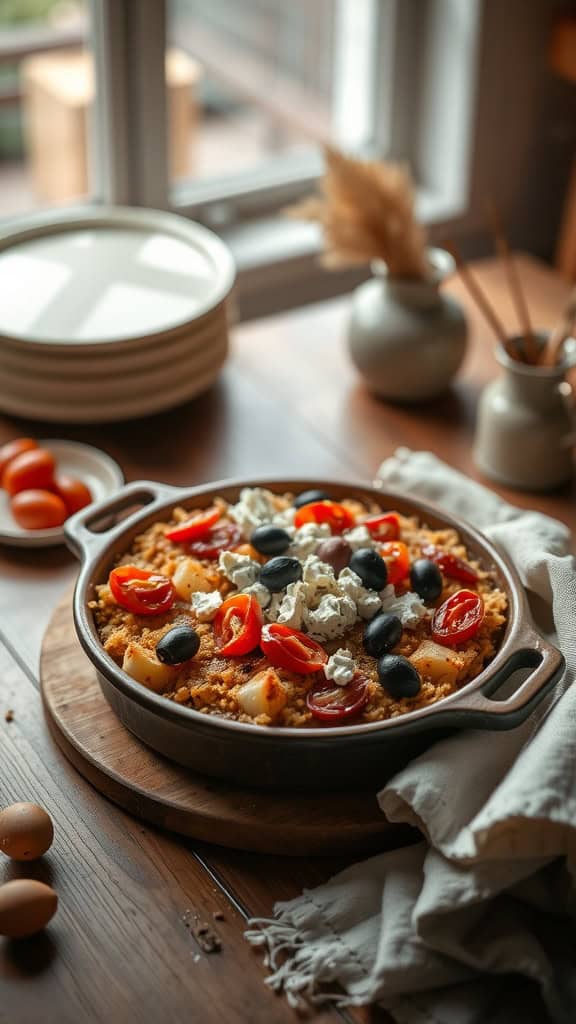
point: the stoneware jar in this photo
(405, 337)
(526, 428)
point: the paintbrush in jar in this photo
(477, 294)
(561, 333)
(531, 350)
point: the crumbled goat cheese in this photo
(241, 570)
(285, 519)
(205, 605)
(340, 667)
(307, 538)
(318, 578)
(359, 537)
(333, 616)
(293, 605)
(409, 608)
(368, 602)
(260, 592)
(256, 506)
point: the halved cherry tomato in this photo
(459, 618)
(38, 510)
(11, 449)
(383, 527)
(222, 537)
(140, 591)
(237, 625)
(332, 703)
(337, 516)
(32, 469)
(397, 558)
(290, 649)
(452, 566)
(74, 493)
(196, 527)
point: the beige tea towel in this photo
(476, 924)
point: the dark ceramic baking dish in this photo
(312, 758)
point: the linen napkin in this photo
(477, 923)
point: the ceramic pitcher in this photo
(526, 427)
(405, 337)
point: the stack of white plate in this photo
(110, 314)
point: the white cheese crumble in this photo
(205, 605)
(368, 602)
(359, 537)
(256, 506)
(318, 578)
(340, 667)
(241, 570)
(307, 538)
(409, 608)
(260, 592)
(293, 605)
(333, 616)
(285, 519)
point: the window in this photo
(217, 109)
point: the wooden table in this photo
(119, 950)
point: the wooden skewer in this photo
(531, 347)
(561, 332)
(478, 295)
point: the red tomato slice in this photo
(290, 649)
(223, 537)
(332, 703)
(196, 527)
(11, 449)
(337, 516)
(385, 527)
(237, 625)
(459, 618)
(452, 566)
(140, 591)
(397, 558)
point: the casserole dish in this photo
(296, 758)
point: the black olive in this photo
(279, 572)
(370, 567)
(398, 676)
(270, 540)
(426, 579)
(178, 645)
(382, 633)
(336, 552)
(306, 497)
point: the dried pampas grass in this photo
(367, 213)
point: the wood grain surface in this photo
(122, 945)
(164, 793)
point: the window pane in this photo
(46, 89)
(251, 80)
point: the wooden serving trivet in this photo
(159, 791)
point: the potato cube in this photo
(264, 694)
(438, 663)
(190, 577)
(144, 667)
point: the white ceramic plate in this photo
(95, 468)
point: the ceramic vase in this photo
(405, 337)
(526, 427)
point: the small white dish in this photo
(94, 467)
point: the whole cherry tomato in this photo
(290, 649)
(10, 450)
(32, 469)
(452, 566)
(38, 510)
(238, 624)
(337, 516)
(74, 493)
(198, 526)
(332, 703)
(397, 558)
(140, 591)
(459, 618)
(222, 537)
(383, 527)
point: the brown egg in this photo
(26, 907)
(26, 831)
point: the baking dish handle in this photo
(530, 651)
(94, 527)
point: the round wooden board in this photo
(159, 791)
